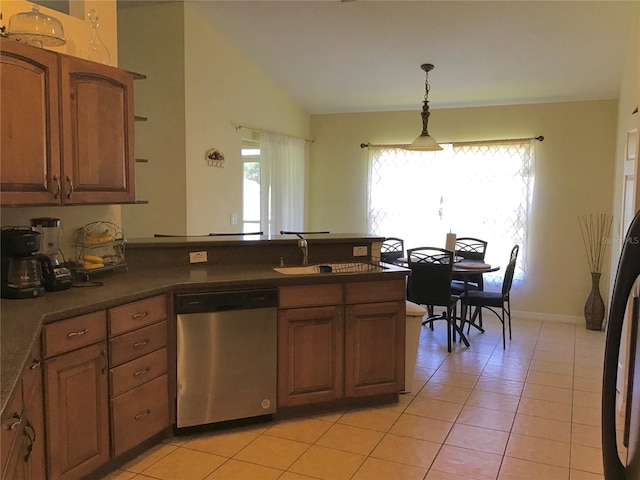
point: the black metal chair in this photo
(469, 248)
(495, 300)
(392, 249)
(430, 284)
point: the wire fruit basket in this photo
(99, 246)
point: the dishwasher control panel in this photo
(225, 300)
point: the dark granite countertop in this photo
(22, 320)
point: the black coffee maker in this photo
(21, 271)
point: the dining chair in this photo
(494, 300)
(429, 284)
(392, 249)
(469, 248)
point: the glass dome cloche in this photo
(36, 28)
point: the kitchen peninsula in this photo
(158, 268)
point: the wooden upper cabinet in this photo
(67, 129)
(29, 115)
(97, 133)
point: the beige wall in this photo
(205, 86)
(629, 100)
(77, 33)
(222, 89)
(574, 174)
(158, 54)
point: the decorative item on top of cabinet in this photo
(66, 134)
(99, 246)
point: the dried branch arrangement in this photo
(596, 229)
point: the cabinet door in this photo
(77, 412)
(29, 135)
(97, 137)
(310, 355)
(374, 348)
(33, 455)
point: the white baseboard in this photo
(547, 317)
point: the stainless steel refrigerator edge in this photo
(626, 276)
(226, 356)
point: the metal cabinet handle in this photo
(106, 363)
(70, 187)
(140, 344)
(136, 316)
(141, 415)
(18, 420)
(58, 187)
(31, 439)
(141, 372)
(35, 364)
(77, 334)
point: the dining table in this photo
(465, 268)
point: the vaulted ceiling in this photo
(356, 56)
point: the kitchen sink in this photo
(340, 267)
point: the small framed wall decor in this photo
(215, 158)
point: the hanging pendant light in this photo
(425, 142)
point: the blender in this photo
(56, 276)
(21, 272)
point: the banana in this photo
(92, 240)
(92, 259)
(92, 266)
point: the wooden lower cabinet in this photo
(138, 355)
(335, 341)
(374, 348)
(310, 355)
(77, 412)
(22, 443)
(139, 414)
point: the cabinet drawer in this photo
(365, 292)
(310, 295)
(74, 333)
(137, 343)
(138, 371)
(139, 414)
(137, 314)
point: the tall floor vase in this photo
(594, 308)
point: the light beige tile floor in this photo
(531, 411)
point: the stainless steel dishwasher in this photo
(226, 355)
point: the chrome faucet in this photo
(302, 244)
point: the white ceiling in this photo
(356, 56)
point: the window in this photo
(480, 190)
(251, 186)
(273, 184)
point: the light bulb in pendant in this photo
(96, 50)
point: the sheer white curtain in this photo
(481, 190)
(282, 174)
